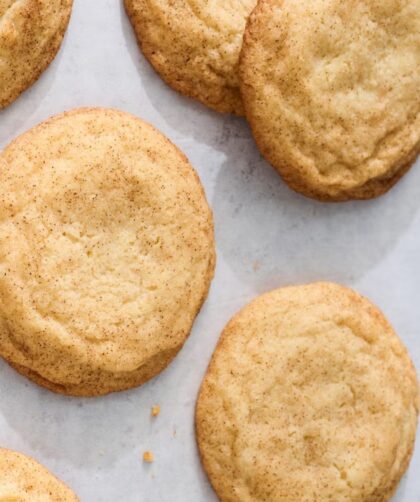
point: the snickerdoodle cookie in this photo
(106, 252)
(194, 45)
(332, 92)
(310, 396)
(31, 32)
(24, 480)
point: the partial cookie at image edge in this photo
(111, 382)
(27, 78)
(24, 477)
(293, 171)
(218, 412)
(171, 54)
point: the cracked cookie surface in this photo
(332, 92)
(106, 252)
(22, 479)
(31, 32)
(309, 396)
(194, 45)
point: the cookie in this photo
(106, 252)
(31, 32)
(24, 480)
(331, 90)
(194, 45)
(310, 396)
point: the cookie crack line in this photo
(207, 22)
(334, 131)
(375, 150)
(343, 475)
(306, 416)
(104, 294)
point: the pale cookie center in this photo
(336, 415)
(86, 279)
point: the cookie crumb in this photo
(155, 410)
(148, 457)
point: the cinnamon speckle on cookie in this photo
(22, 479)
(331, 90)
(106, 252)
(31, 32)
(194, 45)
(310, 395)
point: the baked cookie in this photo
(310, 396)
(31, 32)
(332, 92)
(24, 480)
(106, 252)
(194, 45)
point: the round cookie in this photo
(331, 90)
(106, 252)
(31, 32)
(24, 480)
(194, 45)
(310, 396)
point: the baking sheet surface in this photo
(267, 236)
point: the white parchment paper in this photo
(267, 236)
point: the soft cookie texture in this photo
(194, 45)
(31, 32)
(106, 252)
(310, 397)
(24, 480)
(332, 92)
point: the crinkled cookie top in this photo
(309, 396)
